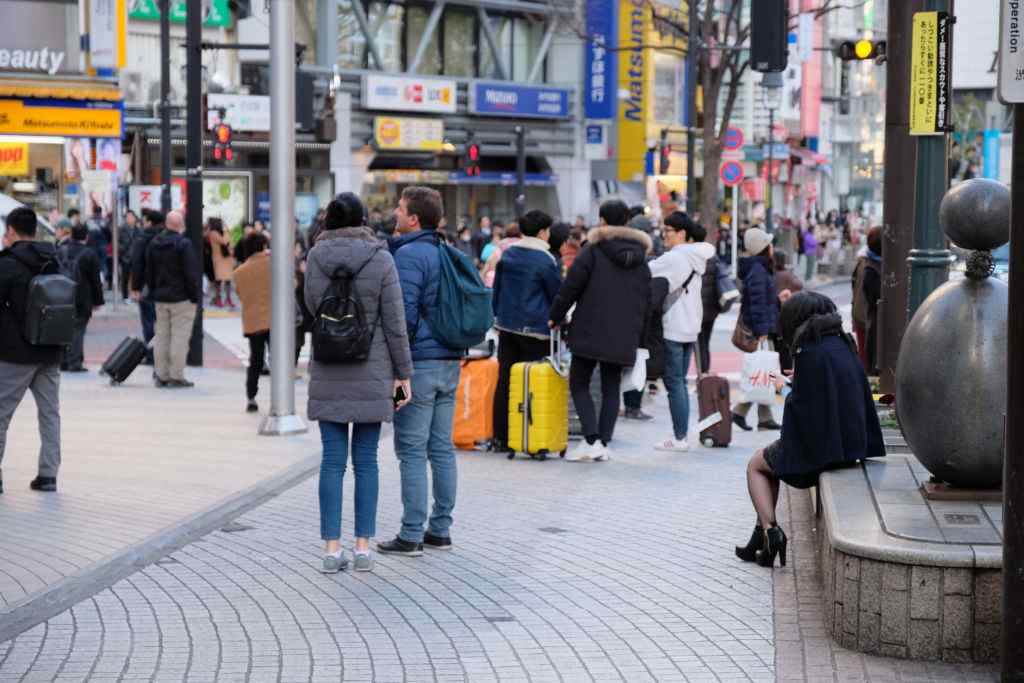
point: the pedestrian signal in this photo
(472, 162)
(222, 142)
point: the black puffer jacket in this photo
(19, 264)
(83, 262)
(172, 269)
(138, 259)
(609, 282)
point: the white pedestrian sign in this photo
(1011, 52)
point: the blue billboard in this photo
(502, 99)
(601, 78)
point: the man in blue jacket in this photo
(423, 428)
(525, 285)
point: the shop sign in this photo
(401, 93)
(150, 197)
(215, 12)
(61, 117)
(502, 99)
(600, 78)
(13, 158)
(242, 112)
(633, 90)
(47, 42)
(403, 132)
(930, 81)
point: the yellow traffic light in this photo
(864, 49)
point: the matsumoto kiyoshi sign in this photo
(500, 99)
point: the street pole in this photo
(165, 105)
(770, 199)
(735, 229)
(520, 200)
(929, 259)
(282, 418)
(691, 107)
(194, 156)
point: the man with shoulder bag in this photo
(31, 345)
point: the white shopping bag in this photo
(760, 370)
(635, 378)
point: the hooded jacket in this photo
(682, 322)
(172, 269)
(760, 308)
(525, 284)
(419, 270)
(359, 392)
(830, 418)
(15, 274)
(138, 258)
(609, 282)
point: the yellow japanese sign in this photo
(404, 132)
(930, 85)
(13, 159)
(633, 90)
(46, 117)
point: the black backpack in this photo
(49, 305)
(341, 333)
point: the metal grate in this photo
(553, 530)
(235, 527)
(962, 520)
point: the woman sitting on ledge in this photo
(829, 420)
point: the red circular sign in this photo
(733, 139)
(731, 173)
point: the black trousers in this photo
(595, 426)
(633, 400)
(512, 349)
(74, 353)
(258, 344)
(704, 344)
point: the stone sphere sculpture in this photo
(951, 374)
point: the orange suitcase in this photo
(474, 403)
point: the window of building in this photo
(389, 18)
(668, 88)
(416, 26)
(526, 39)
(351, 42)
(502, 27)
(459, 43)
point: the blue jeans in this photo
(677, 364)
(423, 431)
(334, 436)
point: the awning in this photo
(59, 89)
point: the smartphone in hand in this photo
(399, 395)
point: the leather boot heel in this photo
(775, 542)
(748, 553)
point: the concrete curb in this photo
(33, 610)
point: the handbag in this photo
(743, 337)
(635, 378)
(760, 370)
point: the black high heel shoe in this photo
(748, 553)
(774, 544)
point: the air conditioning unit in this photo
(132, 87)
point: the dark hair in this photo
(153, 216)
(80, 232)
(254, 244)
(875, 240)
(533, 222)
(614, 212)
(345, 211)
(74, 212)
(424, 203)
(800, 308)
(559, 235)
(636, 210)
(216, 224)
(23, 221)
(678, 220)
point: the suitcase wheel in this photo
(562, 454)
(512, 455)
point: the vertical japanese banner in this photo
(930, 83)
(810, 92)
(633, 90)
(600, 77)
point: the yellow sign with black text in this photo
(930, 82)
(633, 91)
(13, 159)
(73, 119)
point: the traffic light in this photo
(664, 158)
(222, 142)
(471, 163)
(860, 50)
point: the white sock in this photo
(337, 554)
(357, 551)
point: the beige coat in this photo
(252, 282)
(222, 265)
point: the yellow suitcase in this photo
(538, 407)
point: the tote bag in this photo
(760, 370)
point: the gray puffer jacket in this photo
(359, 392)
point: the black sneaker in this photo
(437, 542)
(770, 425)
(159, 383)
(740, 422)
(44, 484)
(180, 384)
(400, 546)
(252, 407)
(1, 486)
(637, 414)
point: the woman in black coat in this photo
(829, 421)
(609, 282)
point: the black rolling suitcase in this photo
(123, 361)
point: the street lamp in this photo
(771, 93)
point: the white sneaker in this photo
(583, 452)
(672, 446)
(601, 452)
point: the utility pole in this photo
(520, 200)
(898, 216)
(691, 106)
(194, 155)
(929, 259)
(165, 106)
(282, 419)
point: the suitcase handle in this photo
(557, 348)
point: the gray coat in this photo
(363, 391)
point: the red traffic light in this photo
(474, 152)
